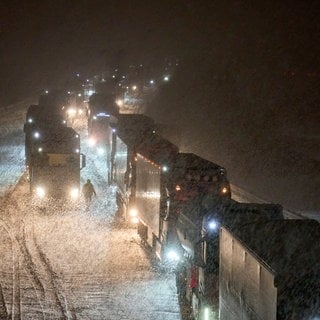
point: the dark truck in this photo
(270, 270)
(102, 112)
(155, 182)
(168, 183)
(55, 162)
(198, 230)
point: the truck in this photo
(128, 132)
(102, 112)
(153, 190)
(55, 162)
(155, 181)
(175, 184)
(270, 271)
(198, 228)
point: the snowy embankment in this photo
(12, 145)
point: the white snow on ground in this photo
(96, 269)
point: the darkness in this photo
(246, 92)
(48, 42)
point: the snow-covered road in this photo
(64, 262)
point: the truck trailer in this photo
(270, 271)
(128, 131)
(198, 233)
(153, 192)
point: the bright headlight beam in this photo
(173, 256)
(74, 193)
(212, 225)
(36, 135)
(40, 192)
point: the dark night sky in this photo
(249, 70)
(45, 41)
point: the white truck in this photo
(270, 271)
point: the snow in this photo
(73, 262)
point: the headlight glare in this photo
(74, 193)
(173, 255)
(40, 192)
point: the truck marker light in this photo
(224, 190)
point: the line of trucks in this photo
(232, 260)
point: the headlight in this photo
(74, 193)
(40, 192)
(212, 225)
(91, 141)
(207, 313)
(36, 135)
(173, 255)
(133, 212)
(72, 112)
